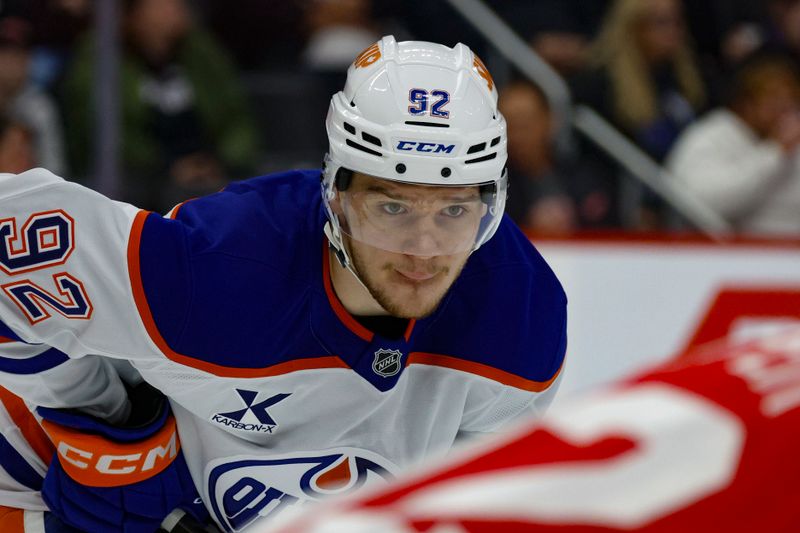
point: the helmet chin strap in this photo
(337, 247)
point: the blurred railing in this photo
(105, 100)
(587, 121)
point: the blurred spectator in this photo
(537, 196)
(742, 160)
(548, 194)
(783, 33)
(58, 26)
(433, 21)
(259, 34)
(726, 31)
(186, 128)
(16, 147)
(338, 31)
(22, 102)
(645, 80)
(740, 41)
(644, 75)
(558, 30)
(563, 49)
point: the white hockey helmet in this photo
(415, 113)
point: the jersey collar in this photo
(370, 355)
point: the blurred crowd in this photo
(212, 91)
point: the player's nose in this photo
(423, 240)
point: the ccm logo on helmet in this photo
(425, 147)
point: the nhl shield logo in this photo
(387, 363)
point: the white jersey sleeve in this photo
(47, 377)
(65, 285)
(25, 453)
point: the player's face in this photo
(411, 283)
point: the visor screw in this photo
(400, 168)
(446, 172)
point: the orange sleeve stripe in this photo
(12, 520)
(6, 340)
(479, 369)
(28, 425)
(219, 370)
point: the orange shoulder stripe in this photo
(28, 425)
(173, 213)
(479, 369)
(219, 370)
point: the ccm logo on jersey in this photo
(246, 489)
(431, 148)
(97, 462)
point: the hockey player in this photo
(310, 344)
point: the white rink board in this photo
(633, 304)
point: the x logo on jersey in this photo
(259, 409)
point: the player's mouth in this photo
(416, 276)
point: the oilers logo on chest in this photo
(243, 489)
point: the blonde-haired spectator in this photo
(645, 52)
(645, 79)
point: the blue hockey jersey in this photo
(227, 306)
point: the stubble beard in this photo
(393, 304)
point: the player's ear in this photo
(343, 179)
(336, 204)
(341, 182)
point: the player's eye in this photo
(393, 208)
(454, 211)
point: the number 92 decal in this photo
(429, 102)
(46, 240)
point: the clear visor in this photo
(421, 220)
